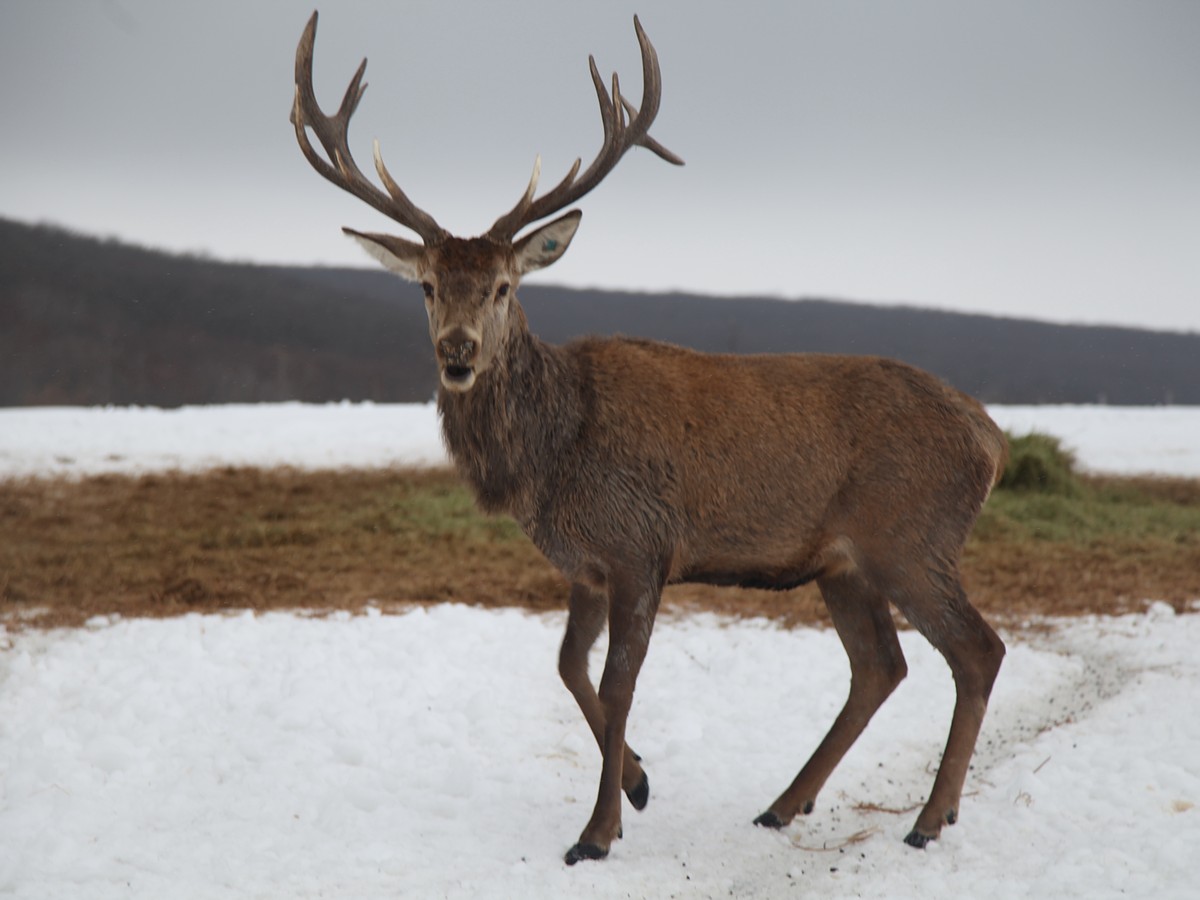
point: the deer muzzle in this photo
(458, 352)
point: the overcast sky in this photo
(1036, 158)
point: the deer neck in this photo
(513, 428)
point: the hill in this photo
(88, 321)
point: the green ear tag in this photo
(550, 246)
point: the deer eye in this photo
(502, 291)
(428, 289)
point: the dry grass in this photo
(160, 545)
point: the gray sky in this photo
(1028, 157)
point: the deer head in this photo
(470, 283)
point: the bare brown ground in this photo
(161, 545)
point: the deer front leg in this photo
(632, 608)
(588, 610)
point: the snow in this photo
(76, 441)
(71, 440)
(435, 753)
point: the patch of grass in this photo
(246, 538)
(1041, 497)
(1106, 545)
(1038, 463)
(431, 511)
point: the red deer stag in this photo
(633, 464)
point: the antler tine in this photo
(332, 132)
(650, 143)
(527, 197)
(619, 135)
(650, 99)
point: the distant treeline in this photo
(85, 321)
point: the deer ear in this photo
(397, 255)
(542, 247)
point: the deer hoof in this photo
(584, 851)
(640, 795)
(769, 820)
(919, 839)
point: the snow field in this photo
(435, 754)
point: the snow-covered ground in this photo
(435, 754)
(72, 440)
(82, 441)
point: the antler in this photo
(331, 132)
(619, 136)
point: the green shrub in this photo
(1038, 463)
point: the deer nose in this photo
(457, 351)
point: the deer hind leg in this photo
(585, 621)
(631, 611)
(941, 612)
(865, 626)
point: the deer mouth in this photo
(458, 378)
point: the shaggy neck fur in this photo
(511, 432)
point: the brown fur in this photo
(631, 464)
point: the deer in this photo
(632, 464)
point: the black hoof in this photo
(918, 840)
(584, 851)
(640, 795)
(769, 820)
